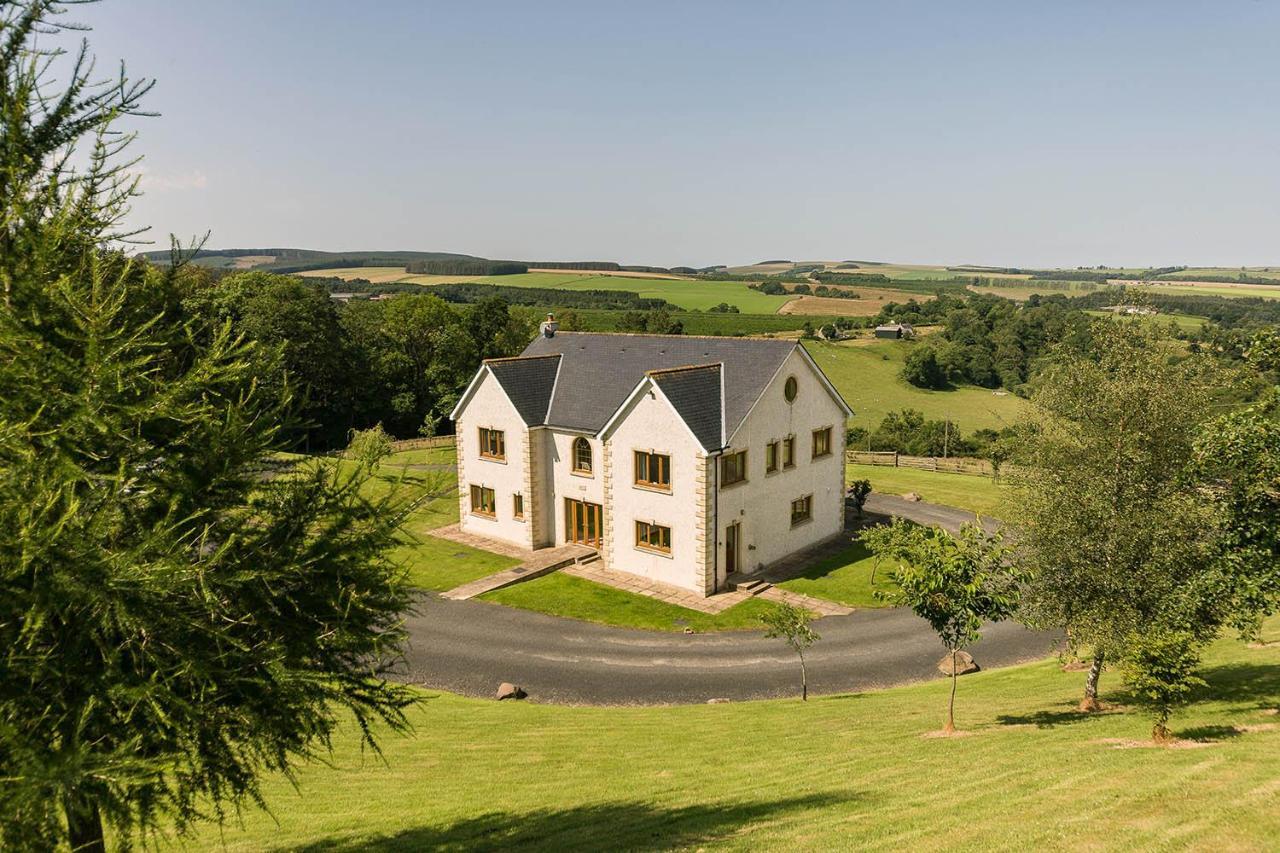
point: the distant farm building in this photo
(1132, 310)
(895, 331)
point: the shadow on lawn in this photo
(625, 825)
(1047, 719)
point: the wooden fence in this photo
(953, 464)
(420, 443)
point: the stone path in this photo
(817, 606)
(455, 533)
(533, 564)
(653, 589)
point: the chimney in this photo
(549, 326)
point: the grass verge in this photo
(844, 577)
(834, 772)
(559, 594)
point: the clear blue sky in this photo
(1014, 133)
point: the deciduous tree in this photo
(955, 583)
(791, 624)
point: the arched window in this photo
(581, 456)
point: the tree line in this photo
(465, 266)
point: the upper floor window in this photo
(821, 442)
(653, 469)
(790, 389)
(581, 456)
(801, 510)
(493, 444)
(483, 502)
(789, 452)
(771, 457)
(733, 468)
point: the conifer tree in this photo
(173, 622)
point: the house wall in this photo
(490, 407)
(651, 424)
(564, 483)
(762, 504)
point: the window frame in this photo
(807, 501)
(825, 432)
(517, 506)
(649, 456)
(790, 389)
(588, 471)
(726, 483)
(789, 452)
(501, 443)
(477, 508)
(643, 540)
(772, 456)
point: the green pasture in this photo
(835, 772)
(867, 375)
(1184, 322)
(974, 492)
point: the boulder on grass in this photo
(507, 690)
(965, 664)
(911, 496)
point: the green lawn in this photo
(430, 562)
(868, 378)
(967, 491)
(564, 595)
(834, 772)
(844, 577)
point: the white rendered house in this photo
(683, 459)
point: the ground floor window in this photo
(483, 502)
(653, 537)
(801, 510)
(517, 506)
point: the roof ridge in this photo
(522, 357)
(665, 370)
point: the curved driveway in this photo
(470, 647)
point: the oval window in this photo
(789, 390)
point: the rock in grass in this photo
(911, 496)
(507, 690)
(965, 664)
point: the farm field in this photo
(870, 302)
(973, 492)
(834, 771)
(1209, 288)
(1185, 322)
(1021, 292)
(867, 376)
(687, 294)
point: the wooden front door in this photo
(731, 536)
(583, 522)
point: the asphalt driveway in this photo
(470, 647)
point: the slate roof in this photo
(599, 371)
(528, 382)
(695, 394)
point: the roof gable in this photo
(696, 395)
(528, 382)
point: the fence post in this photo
(895, 459)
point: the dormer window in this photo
(581, 456)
